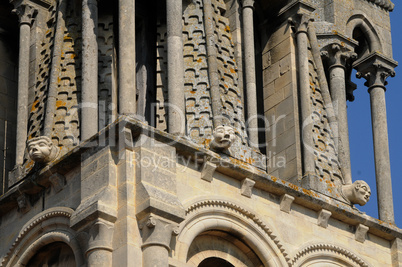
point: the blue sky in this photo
(361, 144)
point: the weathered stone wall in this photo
(281, 107)
(294, 230)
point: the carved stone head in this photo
(224, 136)
(357, 193)
(41, 149)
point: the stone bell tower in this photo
(191, 133)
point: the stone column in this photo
(176, 107)
(157, 234)
(89, 100)
(337, 62)
(249, 62)
(301, 22)
(375, 68)
(26, 15)
(127, 66)
(99, 252)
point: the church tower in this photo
(191, 133)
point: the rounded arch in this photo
(228, 216)
(324, 254)
(49, 226)
(361, 22)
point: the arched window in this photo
(53, 255)
(214, 261)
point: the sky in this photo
(361, 140)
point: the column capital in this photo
(337, 55)
(299, 14)
(248, 3)
(25, 12)
(300, 22)
(375, 68)
(158, 231)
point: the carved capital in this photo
(376, 76)
(375, 68)
(248, 3)
(338, 56)
(300, 22)
(100, 236)
(157, 231)
(25, 12)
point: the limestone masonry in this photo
(191, 133)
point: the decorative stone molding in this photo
(323, 217)
(286, 203)
(226, 204)
(207, 170)
(58, 182)
(42, 150)
(52, 233)
(316, 249)
(247, 187)
(360, 234)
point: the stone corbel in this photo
(323, 217)
(361, 232)
(207, 170)
(286, 203)
(24, 204)
(247, 187)
(58, 182)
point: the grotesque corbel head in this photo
(357, 193)
(41, 149)
(224, 136)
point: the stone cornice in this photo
(225, 165)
